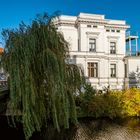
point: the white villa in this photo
(101, 47)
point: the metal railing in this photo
(131, 33)
(132, 53)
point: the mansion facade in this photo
(98, 45)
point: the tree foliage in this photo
(41, 83)
(131, 102)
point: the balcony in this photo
(132, 53)
(132, 44)
(131, 35)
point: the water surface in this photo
(99, 129)
(87, 129)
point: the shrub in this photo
(131, 102)
(112, 104)
(83, 100)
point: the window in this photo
(89, 26)
(113, 70)
(92, 45)
(107, 30)
(118, 31)
(112, 30)
(94, 26)
(92, 69)
(112, 47)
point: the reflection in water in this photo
(100, 129)
(108, 130)
(87, 129)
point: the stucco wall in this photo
(76, 28)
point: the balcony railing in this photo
(132, 53)
(132, 33)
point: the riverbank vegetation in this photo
(112, 104)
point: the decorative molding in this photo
(115, 26)
(113, 37)
(93, 33)
(95, 22)
(99, 57)
(102, 22)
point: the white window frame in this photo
(93, 35)
(114, 73)
(113, 39)
(95, 74)
(113, 51)
(92, 44)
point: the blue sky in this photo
(12, 12)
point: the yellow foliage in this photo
(131, 102)
(125, 103)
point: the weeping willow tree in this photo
(41, 83)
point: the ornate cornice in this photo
(101, 22)
(92, 33)
(116, 26)
(65, 23)
(80, 20)
(87, 21)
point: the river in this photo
(87, 129)
(99, 129)
(105, 129)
